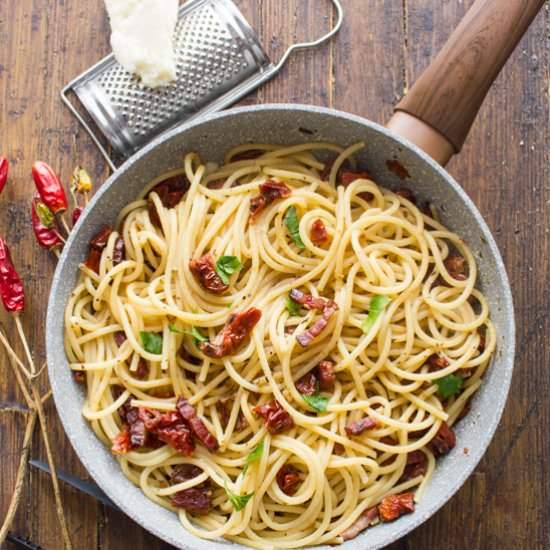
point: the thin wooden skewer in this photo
(13, 355)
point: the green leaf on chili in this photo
(292, 306)
(316, 401)
(151, 342)
(45, 215)
(449, 385)
(238, 501)
(376, 308)
(254, 455)
(293, 225)
(226, 266)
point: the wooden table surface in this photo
(382, 49)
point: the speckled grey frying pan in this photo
(436, 116)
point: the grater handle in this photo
(319, 41)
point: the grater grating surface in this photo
(218, 60)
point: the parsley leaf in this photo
(174, 328)
(292, 306)
(197, 334)
(449, 385)
(239, 502)
(226, 266)
(293, 226)
(151, 342)
(376, 308)
(254, 455)
(316, 401)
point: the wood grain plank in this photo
(504, 168)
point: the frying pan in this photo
(429, 126)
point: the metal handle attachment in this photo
(318, 42)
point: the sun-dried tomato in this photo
(288, 479)
(197, 499)
(121, 444)
(312, 332)
(198, 427)
(224, 407)
(307, 300)
(394, 506)
(417, 465)
(318, 232)
(217, 184)
(249, 154)
(438, 362)
(237, 329)
(79, 376)
(170, 192)
(138, 431)
(398, 169)
(366, 519)
(276, 419)
(177, 436)
(142, 369)
(97, 245)
(465, 410)
(406, 193)
(348, 177)
(443, 442)
(327, 376)
(270, 191)
(360, 426)
(204, 271)
(456, 266)
(119, 251)
(120, 337)
(308, 384)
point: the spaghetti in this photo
(277, 348)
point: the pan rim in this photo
(398, 529)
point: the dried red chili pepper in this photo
(237, 328)
(4, 168)
(49, 187)
(46, 237)
(77, 212)
(97, 244)
(12, 291)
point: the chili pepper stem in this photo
(64, 223)
(25, 344)
(51, 463)
(57, 252)
(20, 477)
(14, 356)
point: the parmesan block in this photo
(142, 38)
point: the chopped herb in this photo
(226, 266)
(45, 215)
(239, 502)
(174, 328)
(151, 342)
(316, 401)
(254, 455)
(293, 226)
(376, 308)
(197, 334)
(292, 306)
(449, 385)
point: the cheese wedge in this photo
(142, 34)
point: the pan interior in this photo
(285, 125)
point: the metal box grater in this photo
(219, 60)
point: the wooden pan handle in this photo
(440, 109)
